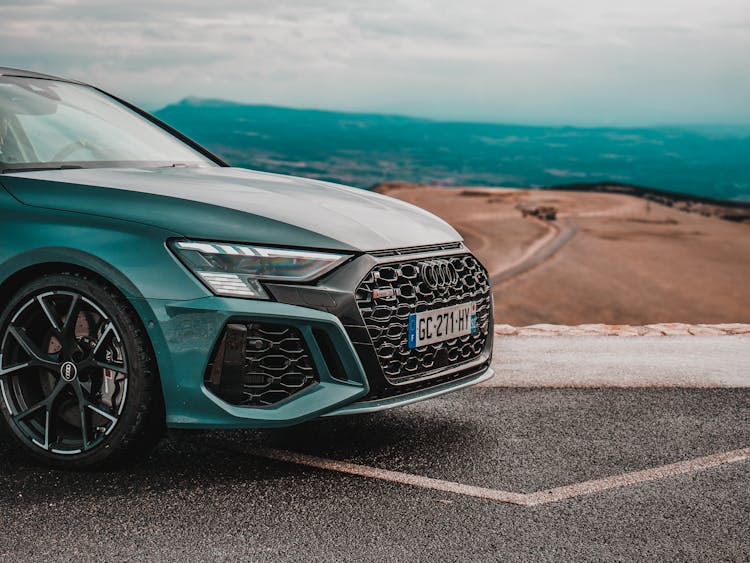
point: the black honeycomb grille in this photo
(387, 318)
(277, 365)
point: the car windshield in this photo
(53, 124)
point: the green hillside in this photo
(364, 149)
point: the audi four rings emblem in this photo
(439, 273)
(68, 371)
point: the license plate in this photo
(437, 325)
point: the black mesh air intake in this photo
(260, 364)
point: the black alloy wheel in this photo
(77, 380)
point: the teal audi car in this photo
(146, 284)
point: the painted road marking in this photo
(523, 499)
(636, 477)
(386, 475)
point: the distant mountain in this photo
(364, 149)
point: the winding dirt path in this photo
(559, 234)
(630, 261)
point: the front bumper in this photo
(363, 407)
(185, 335)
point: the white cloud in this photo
(589, 61)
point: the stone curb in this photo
(661, 329)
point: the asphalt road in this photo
(202, 496)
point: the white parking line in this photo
(386, 475)
(636, 477)
(523, 499)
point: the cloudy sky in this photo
(523, 61)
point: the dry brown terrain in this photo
(606, 258)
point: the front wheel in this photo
(78, 382)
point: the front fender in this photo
(131, 256)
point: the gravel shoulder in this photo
(538, 360)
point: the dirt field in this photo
(606, 258)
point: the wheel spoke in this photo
(94, 363)
(69, 326)
(84, 428)
(50, 317)
(37, 358)
(82, 402)
(119, 368)
(99, 411)
(107, 330)
(47, 402)
(87, 385)
(23, 339)
(11, 369)
(32, 409)
(61, 384)
(50, 434)
(47, 417)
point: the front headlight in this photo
(235, 270)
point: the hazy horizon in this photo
(686, 125)
(540, 62)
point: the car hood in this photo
(235, 204)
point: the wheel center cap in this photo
(68, 371)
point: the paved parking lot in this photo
(214, 494)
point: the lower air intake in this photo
(260, 364)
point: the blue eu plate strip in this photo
(413, 330)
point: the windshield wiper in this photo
(10, 169)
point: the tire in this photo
(79, 386)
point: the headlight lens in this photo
(235, 270)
